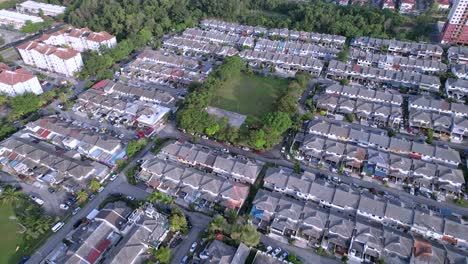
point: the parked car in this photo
(269, 249)
(131, 198)
(193, 247)
(64, 207)
(184, 260)
(76, 210)
(113, 177)
(100, 189)
(283, 256)
(38, 200)
(276, 252)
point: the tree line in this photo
(127, 18)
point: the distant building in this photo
(388, 4)
(19, 81)
(60, 60)
(80, 39)
(33, 7)
(17, 20)
(407, 6)
(443, 4)
(456, 28)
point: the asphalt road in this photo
(199, 223)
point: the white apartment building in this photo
(60, 60)
(16, 82)
(17, 20)
(33, 7)
(80, 39)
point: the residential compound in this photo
(376, 108)
(362, 226)
(115, 234)
(80, 39)
(18, 81)
(65, 61)
(165, 68)
(49, 54)
(302, 51)
(456, 28)
(124, 105)
(389, 158)
(17, 20)
(447, 120)
(33, 7)
(199, 175)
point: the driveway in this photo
(199, 223)
(305, 255)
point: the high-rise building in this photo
(456, 27)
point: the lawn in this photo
(10, 236)
(250, 94)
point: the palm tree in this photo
(82, 196)
(94, 185)
(10, 195)
(163, 254)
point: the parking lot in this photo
(52, 200)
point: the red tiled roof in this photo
(443, 2)
(99, 84)
(95, 253)
(17, 76)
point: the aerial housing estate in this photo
(49, 54)
(33, 7)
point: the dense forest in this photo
(125, 18)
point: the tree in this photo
(10, 195)
(429, 135)
(24, 104)
(212, 129)
(246, 234)
(257, 139)
(163, 254)
(277, 122)
(82, 196)
(94, 185)
(344, 82)
(134, 146)
(218, 225)
(177, 222)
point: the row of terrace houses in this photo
(415, 150)
(169, 59)
(324, 39)
(360, 92)
(196, 47)
(284, 62)
(361, 238)
(377, 163)
(138, 93)
(443, 126)
(438, 106)
(397, 63)
(191, 184)
(23, 156)
(457, 89)
(296, 48)
(370, 75)
(238, 168)
(367, 113)
(96, 104)
(105, 149)
(457, 55)
(403, 48)
(214, 36)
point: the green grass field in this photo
(10, 238)
(252, 94)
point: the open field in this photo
(10, 237)
(252, 94)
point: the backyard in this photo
(250, 94)
(10, 236)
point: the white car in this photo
(100, 189)
(193, 247)
(276, 252)
(269, 249)
(39, 201)
(64, 207)
(113, 177)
